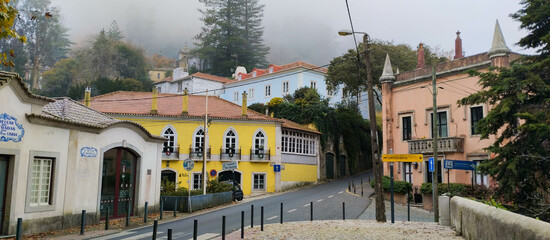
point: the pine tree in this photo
(232, 35)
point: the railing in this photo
(196, 153)
(444, 145)
(169, 153)
(230, 154)
(260, 154)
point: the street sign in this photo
(213, 172)
(402, 158)
(230, 165)
(457, 164)
(188, 164)
(276, 168)
(431, 164)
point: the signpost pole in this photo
(391, 189)
(189, 191)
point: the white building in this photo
(58, 157)
(196, 83)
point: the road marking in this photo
(320, 200)
(292, 210)
(306, 205)
(340, 192)
(114, 236)
(330, 196)
(271, 218)
(137, 237)
(207, 236)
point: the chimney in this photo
(87, 94)
(421, 63)
(244, 106)
(185, 105)
(458, 46)
(154, 103)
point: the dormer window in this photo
(240, 77)
(254, 74)
(270, 69)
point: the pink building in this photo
(407, 113)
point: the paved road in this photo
(327, 205)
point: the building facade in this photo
(234, 133)
(196, 83)
(58, 157)
(407, 114)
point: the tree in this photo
(232, 35)
(520, 118)
(8, 33)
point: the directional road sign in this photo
(462, 165)
(230, 165)
(276, 168)
(402, 157)
(188, 164)
(431, 164)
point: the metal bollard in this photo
(311, 211)
(195, 223)
(145, 213)
(408, 206)
(19, 231)
(175, 207)
(344, 210)
(161, 208)
(107, 219)
(281, 213)
(155, 226)
(129, 211)
(252, 216)
(262, 217)
(169, 234)
(223, 227)
(82, 222)
(349, 186)
(242, 224)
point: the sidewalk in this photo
(417, 214)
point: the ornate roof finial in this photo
(387, 73)
(499, 47)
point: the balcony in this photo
(260, 155)
(230, 154)
(168, 153)
(196, 153)
(444, 145)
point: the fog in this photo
(303, 30)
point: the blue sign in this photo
(462, 165)
(10, 130)
(277, 168)
(431, 164)
(88, 152)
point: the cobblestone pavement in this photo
(417, 214)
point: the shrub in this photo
(401, 187)
(215, 187)
(457, 189)
(168, 188)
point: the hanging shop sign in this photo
(10, 130)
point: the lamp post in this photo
(377, 165)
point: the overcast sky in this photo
(304, 30)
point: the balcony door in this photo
(118, 182)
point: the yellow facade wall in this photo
(299, 173)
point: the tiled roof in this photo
(298, 64)
(70, 110)
(139, 103)
(290, 124)
(212, 77)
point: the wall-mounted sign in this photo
(88, 152)
(10, 130)
(213, 172)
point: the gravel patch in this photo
(349, 229)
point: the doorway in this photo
(228, 176)
(329, 157)
(4, 165)
(118, 182)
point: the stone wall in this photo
(475, 220)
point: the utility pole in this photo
(377, 164)
(204, 144)
(435, 135)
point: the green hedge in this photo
(211, 187)
(457, 189)
(401, 187)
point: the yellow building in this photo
(259, 143)
(158, 74)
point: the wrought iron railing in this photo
(230, 154)
(196, 153)
(260, 154)
(170, 153)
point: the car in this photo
(237, 191)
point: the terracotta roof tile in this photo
(212, 77)
(261, 72)
(290, 124)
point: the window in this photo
(285, 87)
(254, 74)
(408, 171)
(298, 142)
(180, 88)
(230, 141)
(259, 141)
(250, 93)
(236, 96)
(268, 90)
(159, 89)
(270, 69)
(259, 182)
(476, 114)
(198, 140)
(441, 124)
(330, 92)
(480, 179)
(158, 76)
(407, 130)
(429, 174)
(313, 84)
(41, 181)
(169, 145)
(197, 180)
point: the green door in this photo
(329, 157)
(3, 183)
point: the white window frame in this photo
(194, 146)
(267, 90)
(236, 96)
(254, 174)
(313, 84)
(295, 142)
(251, 94)
(201, 182)
(330, 93)
(175, 134)
(53, 183)
(480, 179)
(446, 111)
(285, 89)
(408, 170)
(254, 74)
(236, 138)
(270, 69)
(264, 139)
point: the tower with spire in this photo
(499, 52)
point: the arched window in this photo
(230, 141)
(170, 144)
(260, 141)
(198, 140)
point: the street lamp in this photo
(377, 165)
